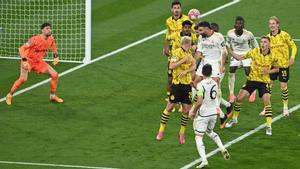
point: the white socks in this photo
(200, 147)
(231, 81)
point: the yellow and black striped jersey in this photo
(260, 62)
(280, 47)
(179, 54)
(175, 25)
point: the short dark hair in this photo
(204, 24)
(207, 70)
(196, 27)
(266, 37)
(216, 26)
(187, 22)
(175, 2)
(239, 18)
(45, 25)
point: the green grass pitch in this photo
(113, 107)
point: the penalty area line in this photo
(240, 138)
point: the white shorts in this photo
(245, 62)
(204, 124)
(215, 68)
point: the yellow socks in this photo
(164, 119)
(268, 115)
(285, 96)
(184, 121)
(236, 110)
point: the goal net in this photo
(70, 19)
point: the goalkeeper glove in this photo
(55, 60)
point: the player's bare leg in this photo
(237, 108)
(21, 80)
(53, 85)
(284, 95)
(164, 119)
(268, 112)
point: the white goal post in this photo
(71, 27)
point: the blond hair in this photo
(185, 40)
(275, 18)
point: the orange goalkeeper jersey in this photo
(35, 49)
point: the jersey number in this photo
(284, 73)
(213, 93)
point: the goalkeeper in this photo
(32, 54)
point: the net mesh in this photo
(21, 19)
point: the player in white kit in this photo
(204, 113)
(240, 41)
(211, 47)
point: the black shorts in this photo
(283, 75)
(181, 93)
(262, 88)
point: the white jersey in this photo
(241, 44)
(212, 47)
(209, 89)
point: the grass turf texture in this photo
(112, 109)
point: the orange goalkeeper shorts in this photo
(38, 66)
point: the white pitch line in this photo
(52, 165)
(115, 52)
(240, 138)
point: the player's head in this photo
(187, 26)
(239, 23)
(204, 28)
(274, 23)
(265, 42)
(207, 70)
(176, 8)
(46, 28)
(186, 42)
(214, 27)
(197, 32)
